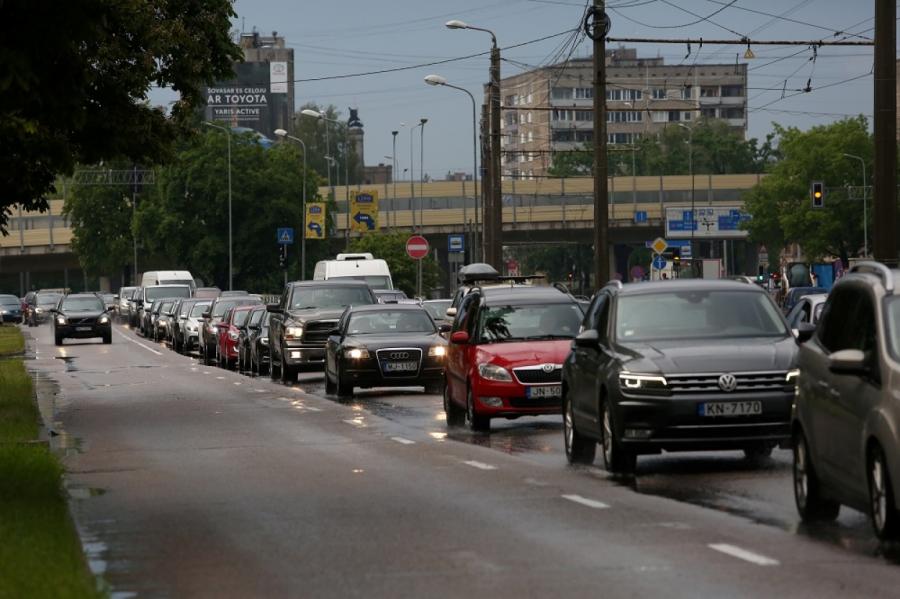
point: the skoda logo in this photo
(727, 383)
(398, 355)
(548, 367)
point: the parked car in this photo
(207, 292)
(109, 300)
(212, 317)
(808, 309)
(38, 311)
(794, 294)
(163, 320)
(245, 334)
(153, 278)
(304, 318)
(846, 413)
(148, 294)
(385, 346)
(151, 314)
(228, 335)
(10, 309)
(189, 324)
(81, 316)
(259, 358)
(507, 347)
(438, 310)
(134, 308)
(121, 309)
(680, 365)
(389, 296)
(361, 267)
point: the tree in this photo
(781, 206)
(391, 247)
(75, 79)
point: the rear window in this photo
(152, 293)
(373, 281)
(85, 304)
(221, 307)
(9, 300)
(240, 318)
(48, 300)
(330, 297)
(198, 310)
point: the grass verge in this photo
(11, 341)
(40, 553)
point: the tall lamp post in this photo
(321, 116)
(865, 209)
(493, 230)
(394, 177)
(438, 80)
(690, 131)
(230, 258)
(284, 135)
(412, 170)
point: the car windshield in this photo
(221, 307)
(151, 293)
(373, 281)
(9, 300)
(329, 297)
(240, 318)
(893, 326)
(529, 322)
(394, 321)
(256, 316)
(438, 310)
(166, 306)
(78, 304)
(700, 314)
(198, 310)
(47, 300)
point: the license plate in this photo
(82, 328)
(400, 366)
(731, 408)
(544, 391)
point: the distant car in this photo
(146, 295)
(795, 293)
(207, 292)
(232, 293)
(260, 357)
(189, 324)
(10, 309)
(212, 317)
(38, 310)
(109, 300)
(163, 320)
(846, 411)
(245, 337)
(385, 346)
(808, 310)
(228, 334)
(387, 296)
(81, 316)
(121, 309)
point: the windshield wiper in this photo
(304, 307)
(548, 336)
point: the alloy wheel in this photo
(801, 472)
(878, 492)
(607, 436)
(568, 426)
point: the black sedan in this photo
(10, 309)
(82, 316)
(385, 345)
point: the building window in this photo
(531, 136)
(584, 136)
(510, 100)
(563, 135)
(624, 116)
(521, 118)
(708, 113)
(584, 115)
(686, 116)
(584, 93)
(619, 138)
(561, 93)
(658, 93)
(529, 117)
(674, 116)
(530, 99)
(732, 91)
(732, 113)
(686, 92)
(709, 91)
(563, 115)
(659, 116)
(510, 118)
(521, 138)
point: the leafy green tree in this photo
(391, 247)
(781, 206)
(75, 79)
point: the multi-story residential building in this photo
(550, 109)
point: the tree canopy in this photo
(76, 77)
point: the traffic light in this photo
(817, 193)
(282, 255)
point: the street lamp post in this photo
(321, 116)
(690, 131)
(412, 177)
(438, 80)
(421, 172)
(230, 257)
(865, 209)
(284, 134)
(394, 178)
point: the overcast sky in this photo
(352, 36)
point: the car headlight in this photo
(60, 320)
(39, 310)
(293, 332)
(264, 340)
(192, 328)
(631, 381)
(358, 354)
(437, 351)
(213, 329)
(3, 311)
(234, 335)
(104, 319)
(791, 376)
(492, 372)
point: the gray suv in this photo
(846, 418)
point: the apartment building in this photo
(550, 109)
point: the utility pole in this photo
(495, 257)
(487, 187)
(597, 30)
(884, 181)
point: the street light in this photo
(435, 80)
(284, 135)
(690, 131)
(394, 178)
(412, 170)
(230, 259)
(321, 116)
(865, 209)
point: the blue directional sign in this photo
(640, 216)
(366, 220)
(456, 244)
(315, 227)
(286, 235)
(659, 262)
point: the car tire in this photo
(341, 386)
(475, 422)
(434, 388)
(455, 415)
(811, 505)
(287, 374)
(616, 459)
(885, 519)
(57, 339)
(107, 338)
(759, 452)
(579, 449)
(330, 386)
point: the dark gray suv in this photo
(846, 422)
(678, 366)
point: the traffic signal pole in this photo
(884, 181)
(597, 32)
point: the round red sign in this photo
(417, 247)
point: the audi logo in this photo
(727, 383)
(398, 355)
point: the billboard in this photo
(257, 98)
(314, 227)
(363, 211)
(710, 222)
(278, 77)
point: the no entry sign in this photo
(417, 247)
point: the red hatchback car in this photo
(228, 334)
(507, 347)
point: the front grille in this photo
(747, 382)
(316, 332)
(82, 321)
(538, 402)
(399, 354)
(536, 375)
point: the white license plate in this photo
(400, 366)
(82, 328)
(731, 408)
(544, 391)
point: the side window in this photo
(588, 314)
(592, 318)
(848, 310)
(602, 324)
(472, 317)
(460, 322)
(285, 296)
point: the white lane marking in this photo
(749, 556)
(599, 505)
(237, 383)
(220, 378)
(124, 336)
(402, 441)
(479, 465)
(358, 423)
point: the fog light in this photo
(491, 402)
(638, 433)
(296, 354)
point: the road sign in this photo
(456, 244)
(417, 247)
(659, 245)
(286, 235)
(640, 216)
(364, 211)
(512, 267)
(659, 263)
(315, 220)
(763, 255)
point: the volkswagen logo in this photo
(548, 368)
(727, 383)
(398, 355)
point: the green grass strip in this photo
(11, 341)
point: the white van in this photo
(152, 278)
(361, 267)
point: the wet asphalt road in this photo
(192, 481)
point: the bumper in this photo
(514, 398)
(70, 332)
(304, 355)
(11, 318)
(373, 377)
(191, 341)
(651, 424)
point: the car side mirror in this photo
(589, 338)
(451, 312)
(206, 314)
(274, 309)
(804, 331)
(848, 361)
(459, 338)
(444, 327)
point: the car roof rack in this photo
(615, 283)
(878, 269)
